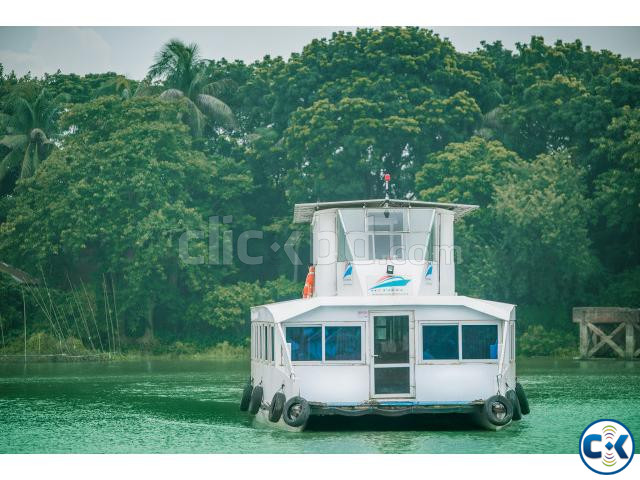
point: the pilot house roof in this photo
(303, 212)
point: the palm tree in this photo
(26, 133)
(118, 85)
(182, 72)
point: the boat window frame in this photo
(322, 325)
(439, 324)
(263, 342)
(419, 352)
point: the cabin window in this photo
(440, 342)
(479, 342)
(342, 343)
(306, 343)
(265, 354)
(273, 343)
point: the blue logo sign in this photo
(347, 275)
(606, 447)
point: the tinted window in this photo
(273, 345)
(265, 354)
(479, 342)
(306, 343)
(440, 342)
(342, 343)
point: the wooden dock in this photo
(608, 330)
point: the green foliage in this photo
(545, 139)
(540, 210)
(227, 307)
(536, 341)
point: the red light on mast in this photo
(387, 177)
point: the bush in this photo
(536, 341)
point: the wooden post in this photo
(629, 341)
(584, 339)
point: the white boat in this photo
(382, 330)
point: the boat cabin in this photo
(380, 328)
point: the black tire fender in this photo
(276, 407)
(522, 398)
(246, 397)
(492, 404)
(256, 400)
(296, 412)
(513, 398)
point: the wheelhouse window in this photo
(440, 342)
(385, 234)
(479, 342)
(343, 343)
(306, 343)
(386, 228)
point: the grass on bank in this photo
(44, 345)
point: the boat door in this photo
(393, 358)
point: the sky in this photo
(130, 50)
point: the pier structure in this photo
(608, 330)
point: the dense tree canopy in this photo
(544, 138)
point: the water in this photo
(162, 406)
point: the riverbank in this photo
(221, 351)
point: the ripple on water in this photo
(192, 406)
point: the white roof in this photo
(283, 311)
(303, 212)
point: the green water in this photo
(192, 406)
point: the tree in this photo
(470, 172)
(466, 172)
(27, 133)
(616, 219)
(545, 254)
(182, 72)
(115, 199)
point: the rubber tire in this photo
(488, 413)
(522, 398)
(276, 407)
(513, 398)
(256, 400)
(246, 398)
(301, 419)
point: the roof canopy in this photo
(303, 212)
(283, 311)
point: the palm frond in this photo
(216, 109)
(172, 94)
(5, 120)
(9, 162)
(16, 141)
(219, 87)
(195, 118)
(27, 165)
